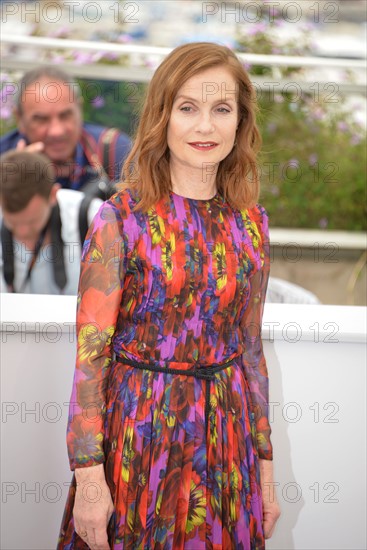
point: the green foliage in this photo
(313, 156)
(112, 104)
(312, 165)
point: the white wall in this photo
(317, 412)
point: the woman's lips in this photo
(203, 145)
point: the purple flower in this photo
(313, 158)
(323, 223)
(256, 28)
(57, 59)
(355, 139)
(278, 22)
(98, 102)
(151, 63)
(83, 57)
(7, 93)
(124, 38)
(110, 56)
(61, 32)
(272, 126)
(294, 163)
(342, 126)
(274, 190)
(5, 112)
(318, 114)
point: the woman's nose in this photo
(205, 123)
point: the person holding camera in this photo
(48, 110)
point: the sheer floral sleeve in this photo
(99, 297)
(254, 359)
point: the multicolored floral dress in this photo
(180, 287)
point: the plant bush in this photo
(314, 152)
(312, 166)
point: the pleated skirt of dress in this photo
(173, 486)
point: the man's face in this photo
(51, 114)
(27, 224)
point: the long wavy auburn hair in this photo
(146, 170)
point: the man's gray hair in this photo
(54, 75)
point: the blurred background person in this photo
(42, 226)
(49, 118)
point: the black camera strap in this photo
(57, 249)
(8, 256)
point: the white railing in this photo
(139, 56)
(344, 240)
(257, 59)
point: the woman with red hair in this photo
(168, 428)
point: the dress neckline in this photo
(216, 198)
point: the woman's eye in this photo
(223, 110)
(186, 108)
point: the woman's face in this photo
(204, 118)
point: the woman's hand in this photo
(271, 510)
(93, 507)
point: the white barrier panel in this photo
(317, 365)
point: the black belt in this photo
(201, 373)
